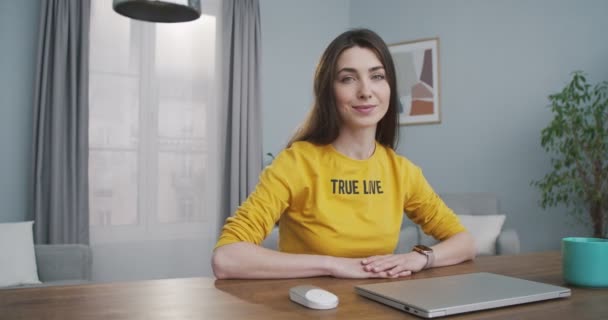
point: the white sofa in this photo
(61, 264)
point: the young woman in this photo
(339, 190)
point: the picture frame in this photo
(417, 71)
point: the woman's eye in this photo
(347, 79)
(378, 77)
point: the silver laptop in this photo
(442, 296)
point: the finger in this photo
(406, 273)
(385, 274)
(398, 269)
(385, 265)
(382, 274)
(373, 259)
(378, 260)
(377, 266)
(403, 273)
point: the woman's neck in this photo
(358, 145)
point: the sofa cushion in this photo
(17, 257)
(485, 230)
(59, 262)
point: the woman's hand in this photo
(395, 265)
(352, 268)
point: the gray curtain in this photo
(60, 137)
(241, 107)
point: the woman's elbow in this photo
(228, 260)
(219, 265)
(472, 249)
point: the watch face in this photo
(428, 252)
(423, 248)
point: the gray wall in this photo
(294, 34)
(18, 42)
(498, 62)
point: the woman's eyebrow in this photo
(353, 70)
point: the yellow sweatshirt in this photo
(329, 204)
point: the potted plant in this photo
(577, 139)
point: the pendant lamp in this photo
(159, 10)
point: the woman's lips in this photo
(364, 109)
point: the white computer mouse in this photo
(313, 297)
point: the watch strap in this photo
(427, 252)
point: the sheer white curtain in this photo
(153, 92)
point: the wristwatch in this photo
(426, 251)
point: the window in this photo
(151, 88)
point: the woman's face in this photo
(360, 88)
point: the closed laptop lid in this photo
(434, 297)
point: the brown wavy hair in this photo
(322, 125)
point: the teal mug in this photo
(585, 261)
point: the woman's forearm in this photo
(243, 260)
(456, 249)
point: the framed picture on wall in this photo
(417, 67)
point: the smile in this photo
(364, 109)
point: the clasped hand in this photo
(384, 266)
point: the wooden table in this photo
(207, 298)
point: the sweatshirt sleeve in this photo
(424, 207)
(254, 219)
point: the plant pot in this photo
(585, 261)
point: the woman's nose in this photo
(365, 91)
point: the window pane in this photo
(114, 40)
(114, 112)
(113, 187)
(181, 184)
(184, 66)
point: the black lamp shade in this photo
(159, 10)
